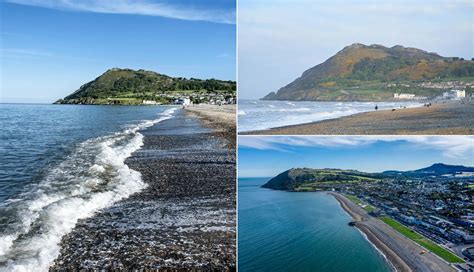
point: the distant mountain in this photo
(361, 72)
(295, 179)
(127, 86)
(437, 169)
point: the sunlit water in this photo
(287, 231)
(59, 164)
(265, 114)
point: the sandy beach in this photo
(403, 253)
(221, 118)
(224, 113)
(185, 219)
(453, 118)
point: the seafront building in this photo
(184, 101)
(454, 94)
(403, 96)
(438, 207)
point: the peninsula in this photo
(377, 73)
(140, 87)
(419, 219)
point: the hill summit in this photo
(361, 72)
(296, 179)
(127, 86)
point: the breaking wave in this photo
(92, 177)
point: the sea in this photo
(59, 164)
(304, 231)
(266, 114)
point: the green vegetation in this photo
(356, 200)
(423, 241)
(299, 179)
(360, 72)
(130, 87)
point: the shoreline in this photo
(447, 118)
(184, 219)
(394, 261)
(221, 118)
(401, 253)
(378, 250)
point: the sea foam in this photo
(270, 114)
(91, 178)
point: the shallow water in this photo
(264, 114)
(184, 218)
(284, 231)
(61, 163)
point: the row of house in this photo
(455, 94)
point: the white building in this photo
(403, 96)
(454, 94)
(150, 102)
(185, 101)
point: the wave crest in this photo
(91, 178)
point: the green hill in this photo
(309, 179)
(126, 86)
(361, 72)
(299, 178)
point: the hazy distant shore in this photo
(402, 253)
(450, 118)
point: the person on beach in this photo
(376, 107)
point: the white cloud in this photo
(139, 7)
(18, 52)
(450, 146)
(278, 42)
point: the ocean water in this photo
(59, 164)
(284, 231)
(265, 114)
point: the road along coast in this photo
(403, 253)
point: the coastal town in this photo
(439, 208)
(212, 98)
(441, 85)
(447, 95)
(445, 90)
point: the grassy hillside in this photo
(307, 179)
(360, 72)
(126, 86)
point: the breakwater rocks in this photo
(184, 219)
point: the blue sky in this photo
(266, 156)
(49, 49)
(278, 40)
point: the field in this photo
(423, 241)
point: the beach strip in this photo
(443, 118)
(185, 219)
(221, 118)
(402, 253)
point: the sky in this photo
(278, 40)
(49, 48)
(267, 156)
